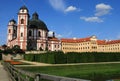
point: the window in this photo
(39, 33)
(55, 46)
(22, 10)
(14, 31)
(22, 21)
(30, 33)
(46, 34)
(21, 34)
(9, 31)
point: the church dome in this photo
(35, 22)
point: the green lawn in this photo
(96, 72)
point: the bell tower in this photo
(12, 31)
(23, 17)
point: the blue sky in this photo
(68, 18)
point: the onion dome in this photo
(35, 22)
(24, 8)
(12, 20)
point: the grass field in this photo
(96, 72)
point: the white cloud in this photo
(91, 19)
(61, 6)
(58, 35)
(50, 34)
(65, 34)
(102, 9)
(118, 36)
(70, 9)
(57, 4)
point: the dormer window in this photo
(9, 31)
(22, 21)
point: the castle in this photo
(32, 34)
(90, 44)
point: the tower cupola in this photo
(12, 22)
(23, 9)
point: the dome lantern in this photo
(35, 16)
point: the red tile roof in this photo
(74, 40)
(53, 39)
(103, 42)
(113, 41)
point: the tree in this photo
(16, 49)
(4, 46)
(41, 49)
(46, 49)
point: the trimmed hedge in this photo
(0, 54)
(61, 58)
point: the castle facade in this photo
(89, 44)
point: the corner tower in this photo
(23, 17)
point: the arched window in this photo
(22, 21)
(9, 31)
(21, 34)
(39, 34)
(14, 31)
(46, 34)
(30, 33)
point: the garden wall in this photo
(12, 56)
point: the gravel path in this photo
(44, 64)
(3, 74)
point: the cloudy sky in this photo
(68, 18)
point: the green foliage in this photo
(40, 49)
(14, 50)
(4, 46)
(72, 57)
(60, 58)
(8, 51)
(29, 57)
(50, 58)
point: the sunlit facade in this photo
(89, 44)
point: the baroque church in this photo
(31, 33)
